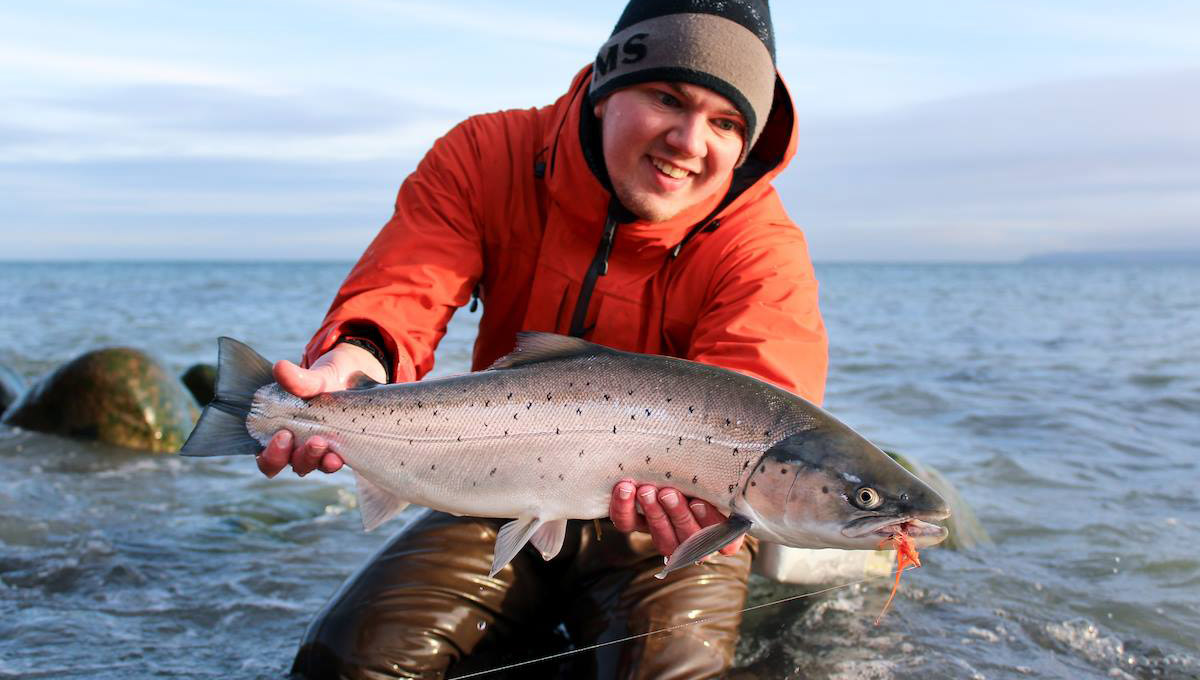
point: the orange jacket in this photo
(507, 205)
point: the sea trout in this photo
(543, 435)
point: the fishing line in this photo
(668, 629)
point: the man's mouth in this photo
(673, 171)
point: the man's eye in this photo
(728, 125)
(668, 99)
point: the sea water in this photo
(1062, 400)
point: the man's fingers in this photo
(678, 512)
(657, 522)
(276, 455)
(621, 508)
(302, 382)
(331, 462)
(306, 458)
(707, 515)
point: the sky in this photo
(930, 131)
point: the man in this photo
(636, 212)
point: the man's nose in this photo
(688, 135)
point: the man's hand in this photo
(332, 372)
(667, 515)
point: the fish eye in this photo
(867, 498)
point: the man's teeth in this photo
(670, 170)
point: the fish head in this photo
(828, 487)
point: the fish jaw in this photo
(869, 532)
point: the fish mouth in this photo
(923, 533)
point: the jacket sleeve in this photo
(421, 266)
(761, 317)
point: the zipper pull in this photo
(610, 232)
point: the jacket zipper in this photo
(598, 268)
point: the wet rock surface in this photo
(119, 396)
(11, 387)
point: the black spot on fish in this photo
(753, 483)
(578, 412)
(581, 454)
(730, 488)
(763, 469)
(745, 465)
(528, 406)
(433, 467)
(631, 393)
(620, 466)
(614, 429)
(343, 409)
(487, 403)
(647, 459)
(547, 396)
(401, 463)
(766, 433)
(783, 470)
(410, 444)
(647, 411)
(606, 397)
(694, 479)
(708, 439)
(541, 476)
(668, 475)
(420, 405)
(735, 450)
(460, 437)
(824, 489)
(556, 431)
(560, 477)
(668, 400)
(492, 473)
(435, 411)
(539, 459)
(485, 424)
(510, 395)
(473, 483)
(514, 416)
(681, 441)
(728, 421)
(364, 430)
(570, 384)
(632, 417)
(691, 409)
(588, 384)
(506, 433)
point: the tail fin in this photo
(221, 430)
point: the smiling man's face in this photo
(668, 146)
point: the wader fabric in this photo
(425, 601)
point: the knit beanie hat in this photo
(727, 46)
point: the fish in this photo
(544, 434)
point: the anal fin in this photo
(548, 538)
(376, 504)
(704, 542)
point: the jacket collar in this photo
(581, 192)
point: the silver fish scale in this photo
(548, 439)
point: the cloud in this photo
(1073, 164)
(204, 121)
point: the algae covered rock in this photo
(201, 381)
(119, 396)
(11, 387)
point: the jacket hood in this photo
(578, 184)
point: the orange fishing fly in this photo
(906, 554)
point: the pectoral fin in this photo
(376, 504)
(511, 538)
(548, 539)
(705, 542)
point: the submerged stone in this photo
(11, 387)
(201, 381)
(118, 396)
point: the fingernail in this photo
(647, 496)
(624, 491)
(699, 511)
(284, 438)
(669, 499)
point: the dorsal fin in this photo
(533, 346)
